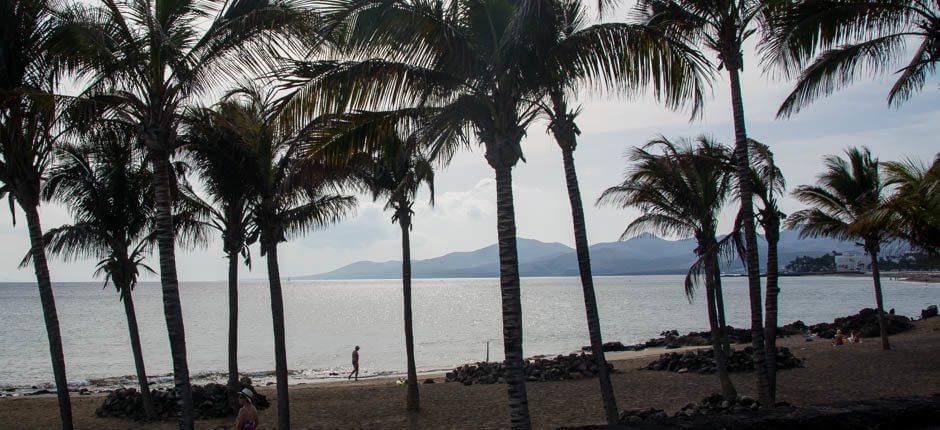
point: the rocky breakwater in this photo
(703, 361)
(671, 339)
(865, 322)
(572, 366)
(211, 401)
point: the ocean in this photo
(455, 320)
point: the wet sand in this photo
(851, 372)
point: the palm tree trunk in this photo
(138, 351)
(770, 305)
(750, 237)
(718, 344)
(720, 310)
(49, 313)
(512, 302)
(233, 321)
(879, 299)
(404, 220)
(172, 309)
(587, 285)
(280, 343)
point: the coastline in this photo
(832, 374)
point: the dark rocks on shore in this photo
(703, 361)
(913, 412)
(671, 339)
(572, 366)
(930, 312)
(865, 322)
(711, 405)
(211, 400)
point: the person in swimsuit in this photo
(355, 363)
(247, 416)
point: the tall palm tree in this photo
(473, 63)
(148, 59)
(769, 183)
(108, 192)
(291, 195)
(914, 207)
(218, 158)
(27, 117)
(722, 27)
(394, 172)
(844, 204)
(853, 37)
(563, 29)
(681, 192)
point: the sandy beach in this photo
(851, 372)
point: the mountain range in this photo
(644, 255)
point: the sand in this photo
(851, 372)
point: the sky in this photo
(464, 215)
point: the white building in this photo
(851, 262)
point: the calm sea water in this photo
(454, 319)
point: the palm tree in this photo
(219, 158)
(853, 37)
(914, 207)
(768, 184)
(472, 62)
(148, 59)
(722, 26)
(844, 204)
(394, 172)
(291, 194)
(108, 192)
(681, 192)
(27, 117)
(566, 27)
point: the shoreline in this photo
(266, 378)
(851, 372)
(379, 378)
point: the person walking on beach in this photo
(355, 363)
(247, 416)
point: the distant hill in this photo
(639, 256)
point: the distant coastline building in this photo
(851, 262)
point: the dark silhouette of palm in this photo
(291, 195)
(392, 171)
(844, 205)
(827, 44)
(218, 157)
(147, 59)
(722, 27)
(914, 209)
(27, 120)
(476, 65)
(658, 62)
(108, 193)
(681, 190)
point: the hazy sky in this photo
(464, 217)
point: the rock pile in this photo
(572, 366)
(671, 339)
(709, 406)
(211, 401)
(930, 312)
(632, 417)
(703, 361)
(866, 322)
